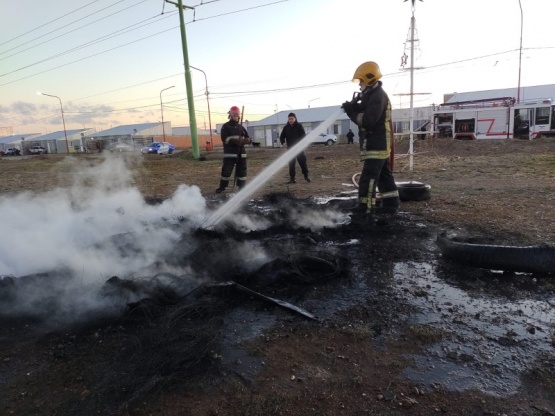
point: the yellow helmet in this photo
(368, 72)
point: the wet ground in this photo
(488, 327)
(481, 329)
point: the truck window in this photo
(542, 115)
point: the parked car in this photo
(327, 139)
(158, 148)
(12, 151)
(120, 147)
(37, 150)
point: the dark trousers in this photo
(377, 173)
(301, 158)
(240, 165)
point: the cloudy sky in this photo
(109, 60)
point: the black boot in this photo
(306, 177)
(361, 215)
(223, 185)
(292, 180)
(388, 206)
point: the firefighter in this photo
(234, 137)
(370, 110)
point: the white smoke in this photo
(84, 227)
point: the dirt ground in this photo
(352, 362)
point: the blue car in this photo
(159, 148)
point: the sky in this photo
(113, 62)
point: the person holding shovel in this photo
(234, 137)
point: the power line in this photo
(98, 40)
(237, 11)
(87, 57)
(117, 47)
(60, 28)
(278, 89)
(47, 23)
(74, 30)
(129, 86)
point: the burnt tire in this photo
(413, 191)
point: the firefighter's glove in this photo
(245, 140)
(349, 107)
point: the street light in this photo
(314, 99)
(204, 120)
(277, 126)
(207, 103)
(162, 111)
(63, 119)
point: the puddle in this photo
(489, 340)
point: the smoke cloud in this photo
(95, 231)
(63, 245)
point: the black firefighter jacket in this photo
(373, 116)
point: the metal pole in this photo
(162, 111)
(519, 54)
(207, 103)
(411, 117)
(63, 119)
(277, 124)
(190, 101)
(204, 119)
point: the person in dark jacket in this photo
(350, 137)
(234, 137)
(292, 133)
(371, 111)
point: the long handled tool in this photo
(238, 150)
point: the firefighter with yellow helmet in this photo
(370, 110)
(234, 137)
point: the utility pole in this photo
(411, 117)
(188, 84)
(519, 55)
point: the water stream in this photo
(230, 206)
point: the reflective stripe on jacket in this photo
(374, 124)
